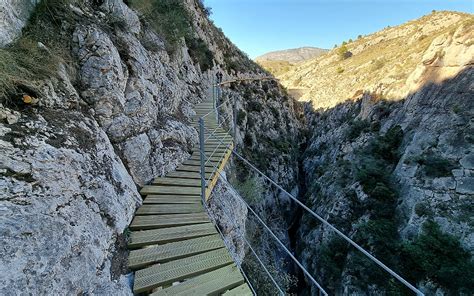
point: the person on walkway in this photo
(219, 76)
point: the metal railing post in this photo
(214, 93)
(202, 158)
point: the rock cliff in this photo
(394, 176)
(104, 108)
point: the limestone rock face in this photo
(116, 116)
(431, 173)
(135, 99)
(230, 214)
(66, 199)
(13, 16)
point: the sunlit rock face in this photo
(13, 16)
(390, 63)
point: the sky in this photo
(260, 26)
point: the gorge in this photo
(97, 100)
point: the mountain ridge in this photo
(292, 55)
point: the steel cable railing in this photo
(305, 271)
(205, 182)
(217, 148)
(217, 127)
(226, 243)
(322, 220)
(241, 235)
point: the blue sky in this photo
(260, 26)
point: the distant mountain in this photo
(294, 55)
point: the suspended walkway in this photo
(175, 249)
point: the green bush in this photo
(251, 190)
(339, 70)
(241, 117)
(331, 261)
(356, 128)
(343, 52)
(439, 257)
(435, 165)
(200, 53)
(422, 209)
(255, 106)
(259, 278)
(371, 171)
(169, 18)
(386, 147)
(172, 21)
(378, 64)
(380, 235)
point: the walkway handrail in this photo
(322, 220)
(305, 271)
(226, 213)
(248, 79)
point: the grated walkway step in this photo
(175, 249)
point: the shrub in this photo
(343, 52)
(251, 190)
(241, 117)
(439, 257)
(378, 64)
(386, 147)
(370, 172)
(339, 70)
(200, 53)
(172, 21)
(435, 166)
(422, 209)
(259, 278)
(356, 128)
(169, 18)
(331, 261)
(255, 106)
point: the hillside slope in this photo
(387, 63)
(280, 62)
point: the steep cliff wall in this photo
(397, 177)
(94, 103)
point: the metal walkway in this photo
(175, 249)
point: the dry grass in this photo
(25, 62)
(21, 66)
(277, 68)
